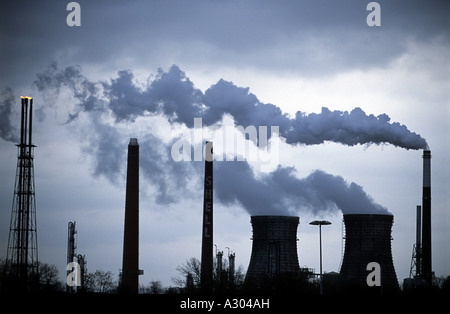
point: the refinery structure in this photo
(274, 263)
(22, 255)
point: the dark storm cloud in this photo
(308, 38)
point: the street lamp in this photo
(320, 223)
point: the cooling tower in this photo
(368, 239)
(274, 251)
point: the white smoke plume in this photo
(172, 95)
(7, 130)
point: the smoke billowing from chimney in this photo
(7, 131)
(172, 95)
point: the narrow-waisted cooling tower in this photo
(274, 251)
(368, 239)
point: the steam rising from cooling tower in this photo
(284, 193)
(172, 95)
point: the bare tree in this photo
(191, 267)
(190, 271)
(45, 280)
(154, 287)
(48, 278)
(100, 282)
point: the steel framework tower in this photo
(71, 247)
(22, 252)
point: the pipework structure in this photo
(71, 248)
(22, 251)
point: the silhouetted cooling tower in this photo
(130, 263)
(274, 251)
(368, 239)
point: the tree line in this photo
(226, 279)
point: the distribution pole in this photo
(320, 223)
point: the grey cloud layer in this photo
(308, 38)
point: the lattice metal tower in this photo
(22, 253)
(71, 248)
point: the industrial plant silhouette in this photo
(274, 263)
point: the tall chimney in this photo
(130, 263)
(418, 241)
(206, 274)
(426, 218)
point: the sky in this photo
(347, 108)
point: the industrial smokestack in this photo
(368, 239)
(274, 251)
(206, 275)
(130, 263)
(419, 241)
(426, 218)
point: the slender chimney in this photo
(426, 218)
(130, 263)
(206, 275)
(419, 241)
